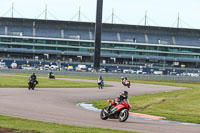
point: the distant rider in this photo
(123, 80)
(50, 74)
(34, 78)
(100, 80)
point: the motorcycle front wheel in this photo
(103, 114)
(123, 115)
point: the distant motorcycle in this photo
(126, 83)
(121, 111)
(32, 83)
(100, 84)
(51, 76)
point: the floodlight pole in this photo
(46, 12)
(145, 18)
(79, 14)
(112, 15)
(178, 21)
(98, 26)
(12, 10)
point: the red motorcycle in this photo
(121, 111)
(126, 83)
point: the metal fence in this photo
(110, 75)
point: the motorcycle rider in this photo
(100, 80)
(34, 78)
(50, 74)
(120, 98)
(125, 80)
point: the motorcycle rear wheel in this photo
(103, 114)
(123, 115)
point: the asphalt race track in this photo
(59, 105)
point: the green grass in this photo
(179, 105)
(66, 76)
(17, 81)
(45, 127)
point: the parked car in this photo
(81, 68)
(117, 71)
(54, 68)
(128, 71)
(46, 67)
(14, 65)
(102, 70)
(70, 68)
(3, 65)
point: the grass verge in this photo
(27, 126)
(179, 105)
(45, 127)
(18, 81)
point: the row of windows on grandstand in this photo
(78, 37)
(104, 45)
(107, 36)
(103, 51)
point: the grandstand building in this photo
(121, 44)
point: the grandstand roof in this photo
(105, 27)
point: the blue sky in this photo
(159, 12)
